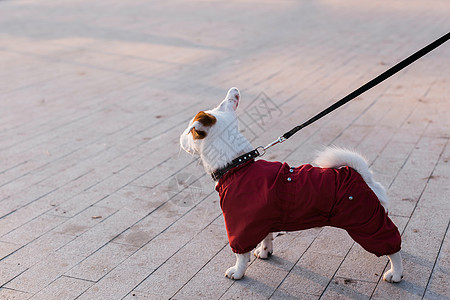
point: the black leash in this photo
(380, 78)
(259, 151)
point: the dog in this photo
(258, 197)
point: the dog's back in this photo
(334, 157)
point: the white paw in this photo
(263, 252)
(392, 277)
(234, 273)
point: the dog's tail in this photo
(335, 157)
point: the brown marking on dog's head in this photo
(198, 134)
(207, 120)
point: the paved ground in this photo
(96, 200)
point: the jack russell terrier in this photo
(260, 197)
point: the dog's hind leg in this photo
(395, 274)
(237, 272)
(266, 248)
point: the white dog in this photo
(260, 197)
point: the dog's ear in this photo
(205, 119)
(201, 122)
(197, 134)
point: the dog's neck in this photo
(223, 150)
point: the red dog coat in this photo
(262, 197)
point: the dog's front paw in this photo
(234, 273)
(392, 277)
(263, 251)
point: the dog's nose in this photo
(234, 94)
(233, 91)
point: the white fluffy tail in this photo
(334, 157)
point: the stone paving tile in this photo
(413, 178)
(332, 241)
(7, 248)
(10, 271)
(13, 294)
(344, 288)
(362, 265)
(37, 250)
(436, 193)
(32, 229)
(211, 275)
(174, 236)
(116, 284)
(287, 248)
(310, 276)
(72, 206)
(134, 198)
(93, 184)
(437, 287)
(63, 288)
(43, 273)
(84, 221)
(171, 276)
(25, 204)
(146, 229)
(101, 262)
(426, 227)
(101, 234)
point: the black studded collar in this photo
(216, 175)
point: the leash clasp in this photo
(260, 150)
(277, 141)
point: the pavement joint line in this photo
(412, 213)
(448, 224)
(391, 138)
(56, 72)
(199, 270)
(379, 279)
(3, 285)
(180, 248)
(324, 122)
(408, 156)
(335, 272)
(73, 277)
(435, 262)
(88, 115)
(93, 155)
(295, 264)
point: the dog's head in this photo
(214, 134)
